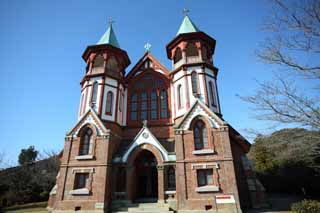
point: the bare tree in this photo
(293, 44)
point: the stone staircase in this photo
(121, 207)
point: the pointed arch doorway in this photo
(146, 176)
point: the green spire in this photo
(187, 26)
(109, 37)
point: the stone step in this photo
(140, 208)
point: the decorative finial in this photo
(185, 11)
(110, 21)
(145, 122)
(147, 46)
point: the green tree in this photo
(288, 160)
(28, 155)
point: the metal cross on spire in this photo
(147, 46)
(185, 11)
(110, 21)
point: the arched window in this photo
(98, 61)
(144, 106)
(85, 144)
(109, 102)
(204, 53)
(177, 55)
(179, 96)
(171, 178)
(194, 82)
(154, 105)
(163, 104)
(112, 64)
(191, 50)
(212, 94)
(133, 107)
(200, 136)
(94, 92)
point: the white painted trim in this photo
(84, 157)
(207, 189)
(83, 191)
(203, 152)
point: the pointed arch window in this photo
(212, 94)
(154, 105)
(112, 64)
(109, 103)
(177, 55)
(163, 104)
(85, 143)
(94, 92)
(194, 82)
(179, 96)
(200, 136)
(134, 107)
(171, 178)
(98, 61)
(191, 50)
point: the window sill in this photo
(207, 189)
(171, 192)
(203, 152)
(84, 157)
(83, 191)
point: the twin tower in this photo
(153, 140)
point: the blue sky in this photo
(41, 66)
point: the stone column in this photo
(160, 183)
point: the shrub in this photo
(306, 206)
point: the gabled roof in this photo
(90, 117)
(109, 37)
(187, 26)
(199, 108)
(141, 61)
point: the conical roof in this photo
(187, 26)
(109, 37)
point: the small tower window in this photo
(94, 92)
(179, 94)
(133, 107)
(191, 50)
(194, 82)
(178, 55)
(171, 178)
(212, 94)
(85, 143)
(144, 106)
(98, 61)
(200, 136)
(109, 102)
(163, 104)
(81, 180)
(112, 64)
(154, 105)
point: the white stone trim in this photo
(99, 205)
(170, 192)
(207, 189)
(83, 191)
(83, 170)
(84, 157)
(203, 152)
(204, 166)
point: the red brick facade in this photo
(167, 159)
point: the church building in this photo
(153, 139)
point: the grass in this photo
(29, 207)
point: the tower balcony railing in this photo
(189, 60)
